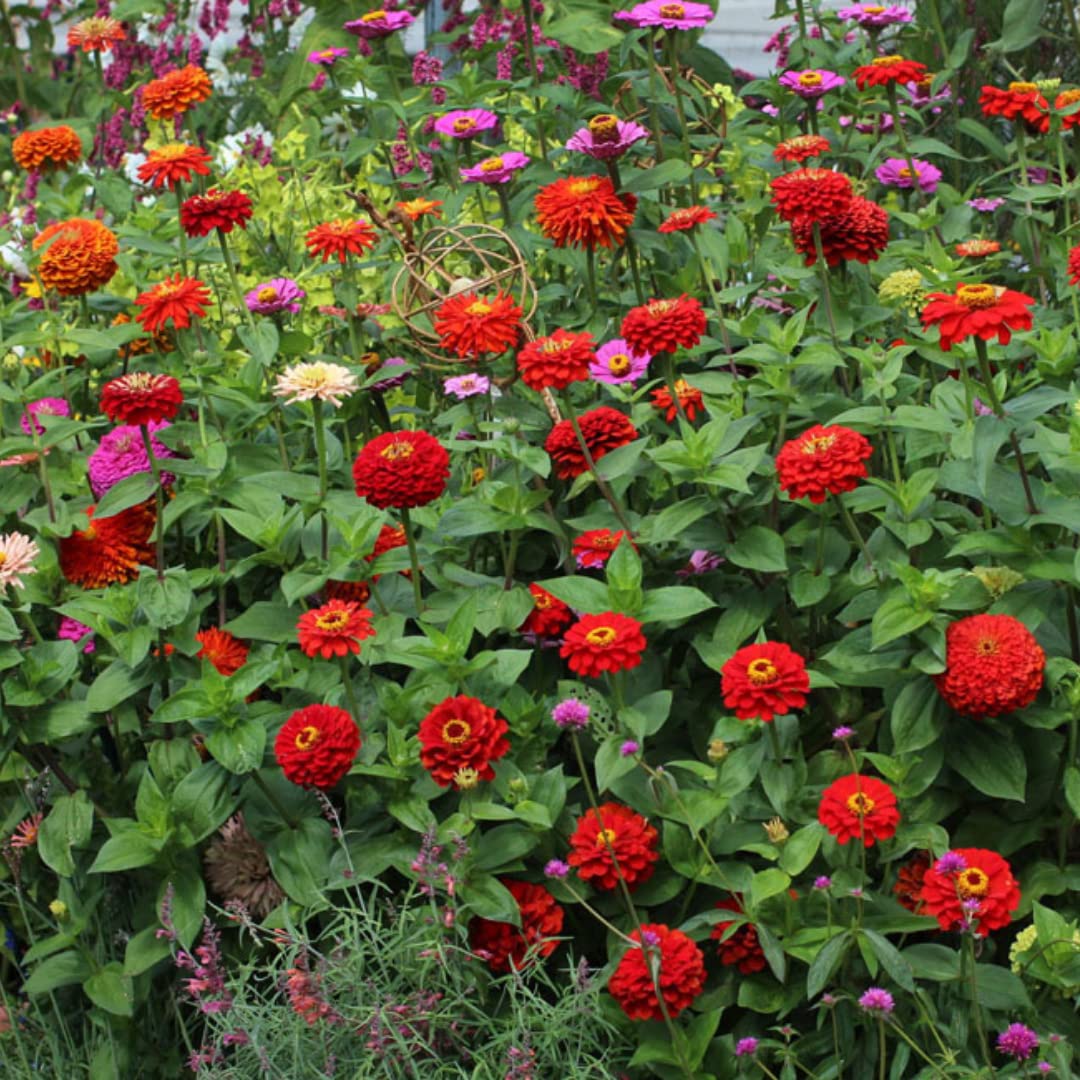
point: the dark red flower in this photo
(858, 233)
(603, 429)
(613, 830)
(680, 973)
(764, 680)
(556, 361)
(986, 878)
(317, 745)
(141, 398)
(983, 311)
(502, 945)
(1021, 100)
(883, 70)
(200, 215)
(109, 551)
(909, 881)
(742, 948)
(663, 326)
(605, 642)
(822, 461)
(459, 740)
(402, 469)
(1074, 265)
(335, 629)
(814, 194)
(1063, 101)
(549, 616)
(859, 807)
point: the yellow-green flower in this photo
(904, 288)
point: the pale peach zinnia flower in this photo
(17, 555)
(327, 382)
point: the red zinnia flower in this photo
(814, 194)
(662, 326)
(684, 218)
(603, 429)
(224, 210)
(80, 256)
(401, 469)
(45, 148)
(96, 34)
(585, 212)
(606, 642)
(594, 548)
(909, 882)
(556, 361)
(174, 163)
(335, 629)
(390, 537)
(177, 298)
(680, 972)
(1074, 265)
(340, 238)
(502, 945)
(470, 325)
(764, 681)
(549, 616)
(1063, 101)
(227, 653)
(801, 148)
(977, 311)
(613, 828)
(1021, 99)
(742, 948)
(317, 745)
(883, 70)
(993, 665)
(977, 248)
(459, 740)
(859, 807)
(858, 233)
(141, 398)
(173, 94)
(986, 878)
(109, 550)
(822, 461)
(689, 398)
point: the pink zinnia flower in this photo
(17, 555)
(73, 630)
(896, 172)
(606, 137)
(617, 363)
(812, 83)
(496, 170)
(379, 24)
(122, 453)
(875, 16)
(48, 406)
(686, 16)
(464, 386)
(278, 294)
(466, 123)
(327, 57)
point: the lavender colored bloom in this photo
(327, 57)
(1018, 1041)
(985, 206)
(464, 386)
(896, 172)
(393, 381)
(617, 363)
(700, 562)
(1045, 1067)
(812, 83)
(1037, 175)
(278, 294)
(952, 862)
(496, 170)
(823, 882)
(556, 868)
(828, 999)
(571, 713)
(920, 93)
(843, 732)
(650, 938)
(606, 137)
(685, 16)
(121, 454)
(629, 748)
(877, 1001)
(72, 630)
(46, 406)
(466, 123)
(875, 16)
(980, 409)
(856, 893)
(746, 1047)
(379, 24)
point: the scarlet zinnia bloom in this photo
(99, 33)
(977, 311)
(224, 210)
(685, 218)
(883, 70)
(859, 233)
(662, 326)
(176, 298)
(855, 807)
(813, 194)
(470, 325)
(556, 361)
(613, 828)
(993, 665)
(173, 94)
(340, 238)
(584, 212)
(742, 949)
(109, 550)
(689, 398)
(335, 629)
(603, 429)
(764, 681)
(228, 654)
(462, 733)
(679, 966)
(402, 469)
(502, 944)
(46, 148)
(822, 461)
(1063, 101)
(606, 642)
(549, 616)
(317, 745)
(594, 547)
(909, 882)
(986, 878)
(1020, 99)
(173, 163)
(141, 398)
(1074, 265)
(977, 248)
(801, 148)
(80, 256)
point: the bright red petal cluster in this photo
(502, 945)
(742, 949)
(859, 807)
(883, 70)
(462, 734)
(613, 830)
(764, 681)
(401, 469)
(317, 745)
(822, 461)
(200, 215)
(177, 298)
(335, 629)
(556, 361)
(681, 973)
(584, 212)
(1021, 100)
(986, 878)
(549, 616)
(141, 398)
(685, 218)
(663, 326)
(909, 882)
(982, 311)
(801, 148)
(605, 642)
(993, 665)
(593, 548)
(228, 654)
(858, 233)
(814, 194)
(471, 326)
(603, 429)
(340, 238)
(689, 398)
(174, 163)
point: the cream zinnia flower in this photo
(327, 382)
(17, 555)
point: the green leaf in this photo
(300, 859)
(896, 617)
(126, 850)
(917, 716)
(580, 592)
(68, 825)
(674, 603)
(825, 963)
(768, 883)
(999, 988)
(1072, 789)
(239, 748)
(115, 684)
(648, 714)
(800, 849)
(64, 969)
(164, 603)
(891, 960)
(504, 845)
(667, 172)
(487, 897)
(610, 763)
(934, 962)
(261, 341)
(758, 548)
(1019, 26)
(129, 492)
(112, 990)
(995, 766)
(265, 621)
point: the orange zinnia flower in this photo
(168, 165)
(340, 238)
(977, 248)
(51, 147)
(1020, 100)
(173, 94)
(177, 298)
(109, 551)
(97, 34)
(335, 629)
(79, 258)
(685, 218)
(585, 212)
(689, 398)
(417, 208)
(470, 325)
(227, 653)
(799, 148)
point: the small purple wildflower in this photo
(843, 732)
(327, 57)
(1045, 1067)
(746, 1047)
(951, 862)
(1018, 1041)
(73, 630)
(629, 748)
(571, 713)
(464, 386)
(650, 938)
(700, 562)
(985, 206)
(877, 1001)
(823, 882)
(556, 868)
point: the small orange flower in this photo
(689, 398)
(173, 94)
(335, 629)
(584, 212)
(45, 148)
(414, 209)
(801, 148)
(977, 248)
(177, 298)
(99, 33)
(80, 256)
(228, 654)
(340, 238)
(470, 326)
(175, 162)
(685, 218)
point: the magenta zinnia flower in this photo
(496, 170)
(278, 294)
(812, 83)
(617, 363)
(875, 16)
(606, 137)
(73, 630)
(466, 123)
(46, 406)
(327, 57)
(379, 24)
(121, 453)
(896, 172)
(686, 16)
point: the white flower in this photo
(327, 382)
(17, 555)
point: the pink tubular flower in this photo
(875, 16)
(617, 363)
(466, 123)
(812, 83)
(496, 170)
(684, 16)
(122, 453)
(606, 137)
(327, 57)
(278, 294)
(896, 172)
(379, 24)
(48, 406)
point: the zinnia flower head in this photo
(173, 94)
(177, 299)
(800, 148)
(238, 870)
(877, 1001)
(549, 616)
(327, 57)
(380, 23)
(1023, 100)
(414, 209)
(689, 398)
(1018, 1041)
(812, 83)
(141, 398)
(46, 148)
(685, 218)
(895, 172)
(222, 210)
(461, 733)
(976, 249)
(335, 629)
(584, 212)
(683, 16)
(977, 310)
(109, 551)
(122, 453)
(466, 386)
(663, 326)
(317, 745)
(227, 654)
(17, 555)
(496, 170)
(166, 166)
(859, 807)
(594, 547)
(680, 973)
(317, 380)
(471, 326)
(764, 680)
(606, 137)
(466, 123)
(810, 194)
(605, 642)
(79, 256)
(604, 429)
(49, 406)
(886, 70)
(610, 842)
(986, 878)
(401, 469)
(875, 16)
(616, 363)
(986, 206)
(822, 461)
(504, 946)
(1064, 100)
(278, 294)
(741, 949)
(72, 630)
(340, 238)
(99, 33)
(556, 361)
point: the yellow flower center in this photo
(306, 737)
(463, 124)
(326, 54)
(3, 558)
(672, 11)
(584, 186)
(1068, 97)
(602, 636)
(455, 731)
(905, 171)
(761, 671)
(478, 474)
(977, 296)
(619, 364)
(333, 622)
(1023, 88)
(860, 804)
(810, 78)
(170, 152)
(373, 16)
(542, 602)
(493, 164)
(659, 308)
(604, 837)
(884, 61)
(397, 450)
(972, 882)
(267, 294)
(478, 307)
(817, 444)
(874, 10)
(604, 128)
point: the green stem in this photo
(1036, 248)
(530, 59)
(680, 108)
(31, 626)
(159, 502)
(898, 126)
(320, 453)
(853, 529)
(178, 191)
(881, 1049)
(973, 983)
(414, 560)
(350, 692)
(654, 95)
(774, 739)
(590, 278)
(238, 293)
(601, 483)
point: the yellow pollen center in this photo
(972, 882)
(306, 738)
(455, 732)
(584, 187)
(542, 602)
(977, 296)
(672, 11)
(604, 837)
(761, 671)
(463, 124)
(604, 128)
(333, 622)
(373, 16)
(905, 171)
(326, 54)
(478, 307)
(884, 61)
(660, 307)
(1023, 88)
(1069, 97)
(140, 380)
(493, 164)
(619, 364)
(810, 78)
(267, 294)
(875, 10)
(602, 636)
(171, 152)
(860, 804)
(818, 444)
(397, 450)
(3, 558)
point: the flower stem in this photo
(881, 1049)
(350, 692)
(601, 483)
(680, 108)
(178, 191)
(234, 280)
(530, 59)
(973, 983)
(320, 453)
(774, 739)
(414, 559)
(654, 96)
(159, 502)
(857, 536)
